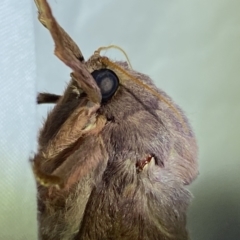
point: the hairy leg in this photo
(47, 98)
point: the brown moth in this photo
(115, 154)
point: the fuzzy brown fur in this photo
(91, 151)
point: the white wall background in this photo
(17, 121)
(191, 48)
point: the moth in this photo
(115, 154)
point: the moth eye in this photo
(107, 81)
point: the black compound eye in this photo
(107, 81)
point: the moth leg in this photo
(65, 51)
(84, 122)
(70, 169)
(47, 98)
(81, 120)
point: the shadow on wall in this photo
(215, 210)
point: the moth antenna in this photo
(107, 62)
(43, 8)
(116, 47)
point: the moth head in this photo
(122, 87)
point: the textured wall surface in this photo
(18, 215)
(191, 49)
